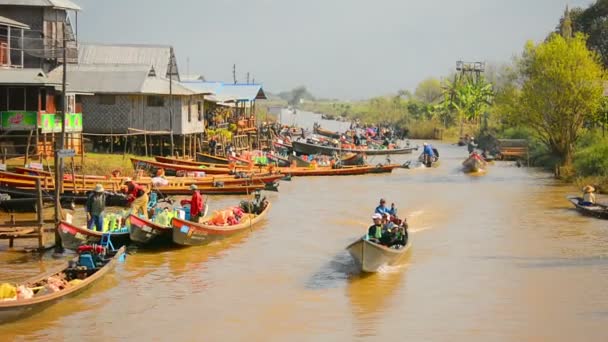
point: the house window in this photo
(156, 101)
(199, 108)
(108, 100)
(189, 110)
(16, 98)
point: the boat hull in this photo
(73, 236)
(188, 233)
(597, 211)
(370, 257)
(472, 165)
(146, 232)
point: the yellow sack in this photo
(7, 291)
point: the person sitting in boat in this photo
(381, 209)
(393, 210)
(472, 145)
(588, 196)
(375, 231)
(95, 206)
(137, 197)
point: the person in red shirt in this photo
(197, 204)
(137, 197)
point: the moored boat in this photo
(73, 236)
(343, 171)
(306, 148)
(208, 158)
(188, 233)
(371, 256)
(11, 310)
(325, 132)
(596, 210)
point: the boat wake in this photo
(386, 269)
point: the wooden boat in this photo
(208, 158)
(343, 171)
(176, 161)
(239, 189)
(73, 236)
(597, 210)
(12, 310)
(326, 133)
(172, 169)
(306, 148)
(370, 256)
(116, 182)
(351, 159)
(146, 232)
(472, 164)
(188, 233)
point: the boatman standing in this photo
(95, 206)
(196, 204)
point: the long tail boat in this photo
(370, 256)
(11, 310)
(26, 188)
(188, 233)
(172, 169)
(351, 159)
(326, 133)
(175, 181)
(73, 236)
(177, 161)
(344, 171)
(306, 148)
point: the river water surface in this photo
(499, 257)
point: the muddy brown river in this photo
(500, 257)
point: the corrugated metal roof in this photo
(117, 79)
(203, 87)
(241, 92)
(25, 77)
(228, 92)
(63, 4)
(156, 55)
(13, 23)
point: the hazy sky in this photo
(347, 49)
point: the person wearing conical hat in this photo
(95, 206)
(588, 195)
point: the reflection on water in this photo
(496, 257)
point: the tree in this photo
(469, 97)
(593, 21)
(563, 86)
(429, 91)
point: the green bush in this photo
(593, 159)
